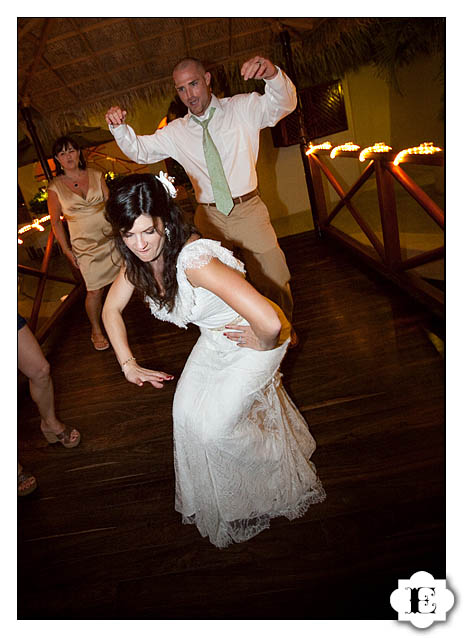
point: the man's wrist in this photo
(273, 76)
(113, 127)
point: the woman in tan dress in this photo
(79, 194)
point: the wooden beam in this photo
(130, 24)
(152, 59)
(58, 77)
(107, 95)
(430, 207)
(388, 215)
(414, 285)
(423, 258)
(38, 54)
(186, 38)
(44, 330)
(95, 57)
(27, 27)
(319, 195)
(353, 190)
(92, 27)
(34, 272)
(367, 230)
(125, 45)
(42, 282)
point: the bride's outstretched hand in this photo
(244, 337)
(138, 375)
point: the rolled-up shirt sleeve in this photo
(143, 149)
(279, 99)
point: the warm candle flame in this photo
(379, 147)
(311, 149)
(426, 148)
(348, 146)
(36, 225)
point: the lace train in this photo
(259, 471)
(242, 530)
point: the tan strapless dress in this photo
(98, 259)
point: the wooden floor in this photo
(100, 538)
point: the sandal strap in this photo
(23, 476)
(66, 434)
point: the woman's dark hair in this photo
(61, 144)
(144, 194)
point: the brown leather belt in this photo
(236, 200)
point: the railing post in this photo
(42, 283)
(26, 113)
(388, 216)
(319, 194)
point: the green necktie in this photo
(221, 190)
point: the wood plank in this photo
(100, 539)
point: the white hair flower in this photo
(168, 183)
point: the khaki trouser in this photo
(249, 229)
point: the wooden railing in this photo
(387, 256)
(44, 275)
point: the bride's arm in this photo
(229, 285)
(117, 299)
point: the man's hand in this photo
(258, 68)
(115, 116)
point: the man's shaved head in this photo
(186, 62)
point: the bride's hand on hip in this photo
(244, 337)
(138, 375)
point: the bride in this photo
(241, 448)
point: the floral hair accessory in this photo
(168, 183)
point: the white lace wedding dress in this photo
(241, 448)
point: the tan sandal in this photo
(100, 342)
(27, 483)
(65, 437)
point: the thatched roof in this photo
(72, 68)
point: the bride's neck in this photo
(157, 264)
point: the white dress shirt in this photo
(234, 128)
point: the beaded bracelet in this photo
(127, 361)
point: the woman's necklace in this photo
(74, 180)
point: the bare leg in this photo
(93, 306)
(34, 365)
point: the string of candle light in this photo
(36, 225)
(379, 147)
(348, 146)
(426, 148)
(311, 149)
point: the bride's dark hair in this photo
(144, 194)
